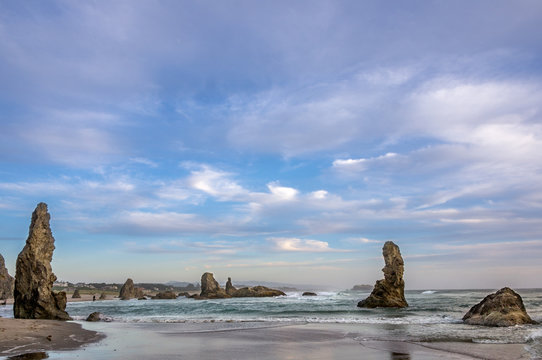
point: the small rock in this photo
(309, 293)
(95, 316)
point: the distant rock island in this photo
(362, 287)
(210, 289)
(503, 308)
(34, 278)
(389, 292)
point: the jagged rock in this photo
(210, 289)
(95, 316)
(76, 294)
(257, 291)
(230, 289)
(34, 297)
(185, 294)
(309, 293)
(389, 292)
(129, 291)
(168, 295)
(6, 281)
(503, 308)
(103, 296)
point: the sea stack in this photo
(34, 278)
(129, 291)
(76, 294)
(210, 289)
(6, 281)
(230, 289)
(503, 308)
(389, 292)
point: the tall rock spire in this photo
(34, 278)
(389, 292)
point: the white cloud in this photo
(301, 245)
(282, 193)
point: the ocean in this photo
(432, 316)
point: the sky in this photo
(276, 141)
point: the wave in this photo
(429, 292)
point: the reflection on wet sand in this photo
(30, 356)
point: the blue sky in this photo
(275, 140)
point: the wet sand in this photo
(19, 336)
(263, 341)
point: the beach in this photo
(20, 336)
(232, 341)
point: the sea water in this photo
(432, 316)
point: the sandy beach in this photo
(229, 341)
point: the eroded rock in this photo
(503, 308)
(76, 294)
(6, 281)
(389, 292)
(33, 294)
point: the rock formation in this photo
(210, 289)
(230, 289)
(309, 293)
(6, 281)
(76, 294)
(257, 291)
(165, 295)
(103, 296)
(389, 292)
(129, 291)
(34, 297)
(95, 316)
(503, 308)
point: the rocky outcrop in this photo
(103, 296)
(389, 292)
(230, 289)
(6, 281)
(76, 294)
(309, 293)
(95, 316)
(34, 297)
(503, 308)
(129, 291)
(210, 289)
(165, 295)
(257, 291)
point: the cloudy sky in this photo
(275, 140)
